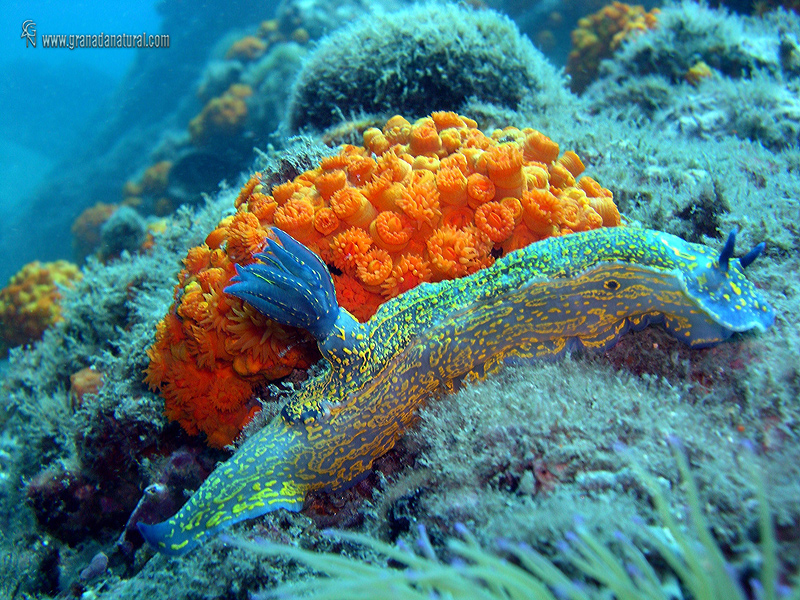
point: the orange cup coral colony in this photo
(221, 117)
(599, 35)
(425, 201)
(31, 302)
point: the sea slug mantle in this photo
(561, 294)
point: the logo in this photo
(29, 33)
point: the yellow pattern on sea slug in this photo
(565, 293)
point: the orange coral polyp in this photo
(360, 169)
(281, 193)
(572, 216)
(495, 220)
(473, 138)
(451, 252)
(514, 206)
(263, 207)
(458, 216)
(217, 310)
(452, 185)
(193, 305)
(591, 219)
(246, 365)
(349, 247)
(247, 190)
(218, 258)
(197, 259)
(352, 293)
(396, 167)
(226, 392)
(451, 140)
(408, 273)
(296, 218)
(541, 210)
(480, 190)
(397, 130)
(423, 138)
(536, 177)
(246, 330)
(572, 163)
(592, 188)
(216, 238)
(560, 177)
(391, 231)
(352, 207)
(375, 141)
(209, 279)
(578, 212)
(456, 161)
(330, 182)
(337, 161)
(608, 211)
(383, 192)
(326, 221)
(445, 119)
(520, 237)
(420, 200)
(375, 267)
(427, 162)
(540, 148)
(207, 345)
(243, 221)
(245, 237)
(504, 166)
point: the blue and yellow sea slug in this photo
(561, 294)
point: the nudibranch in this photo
(562, 294)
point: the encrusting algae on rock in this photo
(419, 202)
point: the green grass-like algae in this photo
(693, 565)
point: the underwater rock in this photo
(183, 470)
(124, 231)
(198, 172)
(96, 567)
(710, 74)
(72, 507)
(418, 60)
(318, 17)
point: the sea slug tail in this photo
(258, 479)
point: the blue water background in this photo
(48, 97)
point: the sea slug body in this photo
(561, 294)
